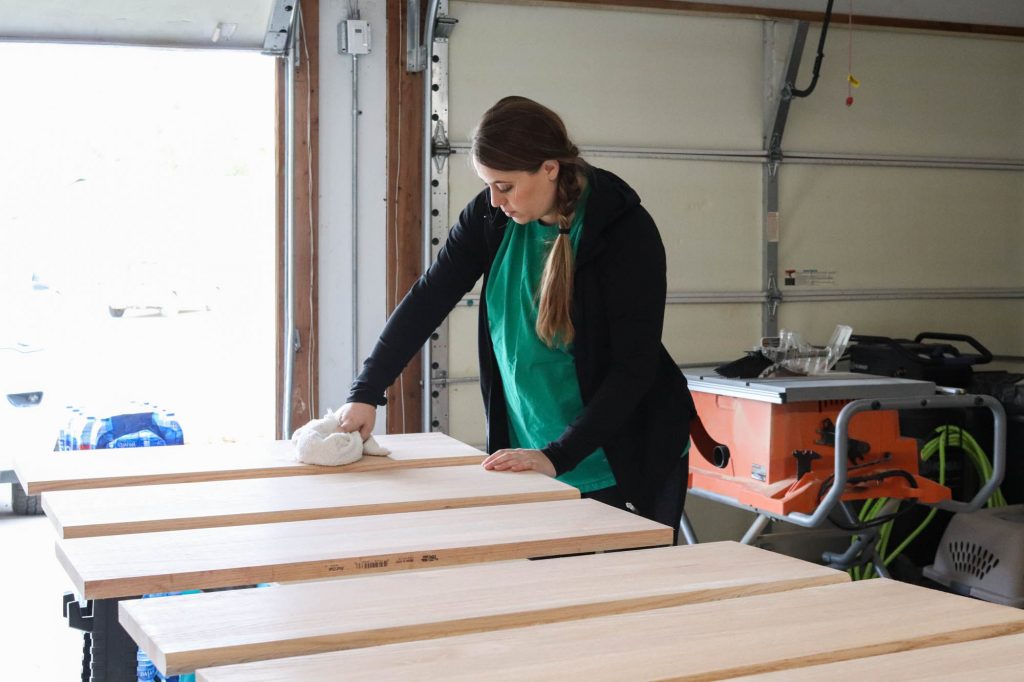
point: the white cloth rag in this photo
(319, 442)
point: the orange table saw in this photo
(790, 448)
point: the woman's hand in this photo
(519, 460)
(357, 417)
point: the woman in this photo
(576, 383)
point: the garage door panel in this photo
(709, 216)
(606, 73)
(903, 227)
(711, 333)
(708, 213)
(928, 95)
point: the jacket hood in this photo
(610, 197)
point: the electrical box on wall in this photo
(353, 36)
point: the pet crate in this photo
(982, 555)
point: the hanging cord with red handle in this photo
(851, 82)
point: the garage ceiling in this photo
(244, 23)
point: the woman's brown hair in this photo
(518, 134)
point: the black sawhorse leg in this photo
(108, 653)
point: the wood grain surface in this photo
(167, 561)
(45, 471)
(143, 509)
(707, 641)
(996, 659)
(184, 633)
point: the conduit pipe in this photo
(355, 216)
(289, 341)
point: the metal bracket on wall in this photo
(279, 26)
(444, 26)
(415, 50)
(437, 391)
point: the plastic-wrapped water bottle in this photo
(86, 441)
(175, 426)
(145, 671)
(169, 427)
(64, 435)
(101, 433)
(78, 428)
(72, 430)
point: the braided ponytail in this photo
(518, 134)
(554, 324)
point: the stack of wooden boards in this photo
(229, 519)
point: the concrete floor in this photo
(35, 641)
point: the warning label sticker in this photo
(809, 277)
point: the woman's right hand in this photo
(357, 417)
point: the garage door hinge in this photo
(440, 148)
(773, 297)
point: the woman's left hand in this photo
(520, 460)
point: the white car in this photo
(156, 288)
(22, 395)
(17, 360)
(167, 303)
(26, 312)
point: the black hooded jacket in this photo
(636, 403)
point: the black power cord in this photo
(879, 476)
(794, 92)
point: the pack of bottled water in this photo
(135, 425)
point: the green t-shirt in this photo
(541, 388)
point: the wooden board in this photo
(696, 642)
(132, 565)
(111, 511)
(45, 471)
(184, 633)
(997, 659)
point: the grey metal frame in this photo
(439, 224)
(436, 149)
(354, 256)
(414, 51)
(290, 342)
